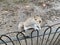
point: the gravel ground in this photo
(12, 12)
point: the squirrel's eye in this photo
(39, 21)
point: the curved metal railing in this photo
(52, 37)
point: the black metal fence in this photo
(46, 38)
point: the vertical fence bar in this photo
(54, 35)
(44, 34)
(31, 37)
(23, 36)
(37, 36)
(48, 35)
(56, 38)
(18, 38)
(58, 42)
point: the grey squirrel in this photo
(32, 22)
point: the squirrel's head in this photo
(38, 19)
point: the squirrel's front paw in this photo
(37, 28)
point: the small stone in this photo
(10, 26)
